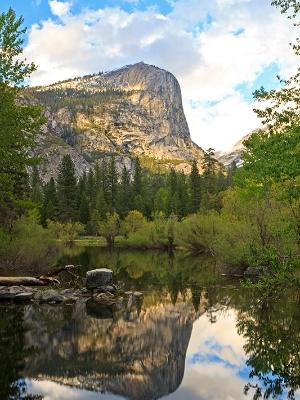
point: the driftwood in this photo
(34, 281)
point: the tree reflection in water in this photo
(13, 354)
(271, 327)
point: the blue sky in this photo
(220, 51)
(35, 11)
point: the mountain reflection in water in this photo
(194, 337)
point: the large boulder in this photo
(98, 278)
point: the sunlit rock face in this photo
(134, 111)
(138, 356)
(235, 154)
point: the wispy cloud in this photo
(60, 8)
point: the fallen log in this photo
(25, 281)
(34, 281)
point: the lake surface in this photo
(194, 336)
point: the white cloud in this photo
(210, 56)
(59, 8)
(224, 123)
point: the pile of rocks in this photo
(21, 294)
(99, 289)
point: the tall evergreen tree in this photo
(36, 186)
(209, 174)
(19, 122)
(82, 184)
(139, 200)
(91, 188)
(112, 184)
(183, 195)
(105, 180)
(137, 178)
(50, 206)
(100, 204)
(83, 202)
(125, 194)
(195, 188)
(173, 200)
(93, 224)
(67, 190)
(173, 182)
(98, 175)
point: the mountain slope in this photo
(234, 155)
(133, 111)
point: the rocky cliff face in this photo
(234, 155)
(134, 111)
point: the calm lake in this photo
(193, 336)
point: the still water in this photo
(195, 336)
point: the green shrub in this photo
(133, 222)
(198, 233)
(67, 232)
(156, 234)
(110, 228)
(29, 246)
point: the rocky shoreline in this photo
(99, 291)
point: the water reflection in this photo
(194, 337)
(271, 328)
(215, 362)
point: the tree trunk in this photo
(34, 281)
(26, 281)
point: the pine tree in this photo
(112, 184)
(93, 224)
(137, 178)
(183, 196)
(22, 189)
(105, 180)
(173, 182)
(91, 188)
(195, 189)
(141, 192)
(84, 209)
(172, 202)
(125, 194)
(67, 190)
(209, 174)
(19, 122)
(98, 175)
(82, 184)
(36, 186)
(100, 204)
(50, 203)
